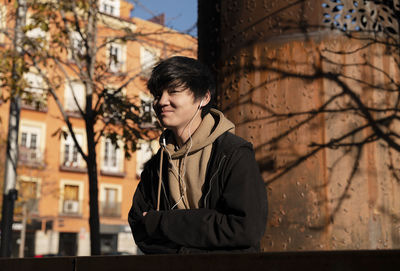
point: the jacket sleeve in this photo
(142, 203)
(238, 222)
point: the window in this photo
(113, 111)
(112, 157)
(116, 57)
(148, 58)
(143, 154)
(74, 90)
(110, 200)
(147, 115)
(27, 190)
(28, 194)
(71, 156)
(34, 82)
(146, 111)
(33, 94)
(71, 197)
(30, 143)
(78, 47)
(36, 34)
(110, 7)
(3, 14)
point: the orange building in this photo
(52, 177)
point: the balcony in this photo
(34, 101)
(71, 207)
(73, 166)
(30, 157)
(110, 209)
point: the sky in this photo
(180, 15)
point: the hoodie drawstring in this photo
(160, 180)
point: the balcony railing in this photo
(110, 209)
(73, 166)
(34, 101)
(30, 157)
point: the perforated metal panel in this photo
(309, 93)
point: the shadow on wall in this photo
(319, 98)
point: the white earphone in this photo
(201, 103)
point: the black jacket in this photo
(232, 213)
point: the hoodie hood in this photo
(188, 165)
(212, 126)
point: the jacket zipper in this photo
(211, 181)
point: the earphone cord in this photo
(181, 176)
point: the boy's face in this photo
(175, 108)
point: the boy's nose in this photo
(164, 99)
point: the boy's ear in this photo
(206, 99)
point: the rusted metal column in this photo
(275, 62)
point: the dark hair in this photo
(182, 71)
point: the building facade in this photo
(52, 176)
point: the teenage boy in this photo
(202, 192)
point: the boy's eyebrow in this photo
(176, 90)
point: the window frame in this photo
(24, 178)
(3, 22)
(142, 157)
(103, 194)
(77, 46)
(70, 87)
(114, 5)
(33, 203)
(79, 163)
(146, 65)
(28, 126)
(37, 33)
(116, 64)
(119, 156)
(147, 99)
(36, 88)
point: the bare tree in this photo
(10, 175)
(61, 43)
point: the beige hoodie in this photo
(187, 170)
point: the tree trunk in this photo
(10, 193)
(94, 222)
(93, 194)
